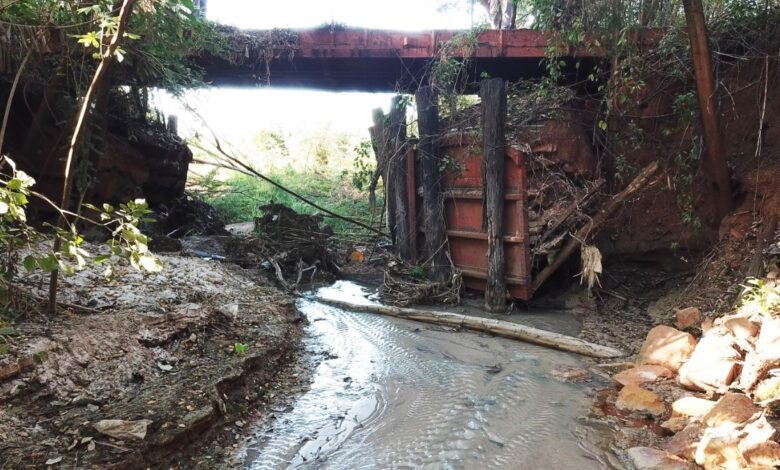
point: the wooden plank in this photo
(493, 94)
(478, 194)
(483, 236)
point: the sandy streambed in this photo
(394, 393)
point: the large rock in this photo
(706, 325)
(733, 409)
(768, 390)
(766, 455)
(642, 374)
(755, 434)
(739, 326)
(713, 365)
(687, 317)
(675, 424)
(692, 407)
(666, 346)
(647, 458)
(719, 449)
(684, 443)
(635, 398)
(765, 355)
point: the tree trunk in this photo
(493, 95)
(714, 164)
(430, 162)
(488, 325)
(379, 140)
(78, 133)
(508, 15)
(397, 165)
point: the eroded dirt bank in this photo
(174, 355)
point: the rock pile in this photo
(715, 398)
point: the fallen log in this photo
(487, 325)
(594, 224)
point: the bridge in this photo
(377, 60)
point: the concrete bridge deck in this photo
(376, 60)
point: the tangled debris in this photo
(405, 285)
(294, 247)
(186, 216)
(259, 48)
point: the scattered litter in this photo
(120, 429)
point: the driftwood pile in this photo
(292, 246)
(406, 285)
(557, 205)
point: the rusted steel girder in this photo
(379, 60)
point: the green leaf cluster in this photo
(127, 241)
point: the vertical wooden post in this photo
(173, 125)
(411, 197)
(493, 95)
(397, 166)
(379, 140)
(430, 160)
(714, 163)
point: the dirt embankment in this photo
(178, 357)
(702, 389)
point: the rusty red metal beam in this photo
(366, 43)
(379, 60)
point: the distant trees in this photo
(501, 13)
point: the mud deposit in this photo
(395, 393)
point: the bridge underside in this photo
(381, 61)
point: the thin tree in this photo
(98, 81)
(714, 164)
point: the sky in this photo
(235, 113)
(385, 14)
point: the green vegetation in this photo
(161, 36)
(329, 168)
(238, 198)
(126, 240)
(64, 42)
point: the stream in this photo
(392, 393)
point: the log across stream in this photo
(389, 393)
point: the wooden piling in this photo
(379, 141)
(397, 174)
(429, 152)
(493, 94)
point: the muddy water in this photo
(391, 393)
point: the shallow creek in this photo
(390, 393)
